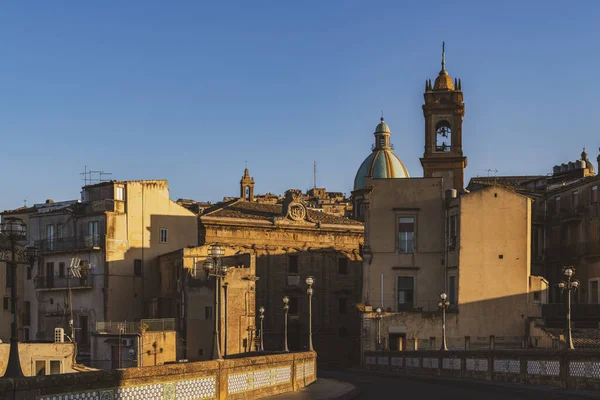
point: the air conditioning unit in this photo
(59, 335)
(127, 342)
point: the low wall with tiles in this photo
(575, 369)
(240, 378)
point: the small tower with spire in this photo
(443, 111)
(247, 187)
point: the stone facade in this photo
(189, 297)
(41, 358)
(289, 243)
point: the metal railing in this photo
(57, 245)
(62, 282)
(144, 325)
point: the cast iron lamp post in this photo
(443, 305)
(261, 310)
(569, 285)
(310, 281)
(213, 267)
(286, 308)
(378, 318)
(14, 230)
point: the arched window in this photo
(443, 136)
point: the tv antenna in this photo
(90, 177)
(315, 175)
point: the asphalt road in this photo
(378, 387)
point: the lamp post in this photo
(213, 267)
(443, 305)
(569, 285)
(378, 317)
(310, 281)
(225, 287)
(286, 308)
(261, 310)
(14, 230)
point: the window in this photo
(343, 266)
(59, 231)
(5, 303)
(557, 204)
(40, 367)
(406, 227)
(93, 228)
(61, 269)
(83, 330)
(55, 366)
(137, 267)
(595, 194)
(293, 264)
(26, 334)
(575, 198)
(452, 289)
(406, 292)
(594, 298)
(293, 306)
(164, 235)
(536, 296)
(27, 313)
(29, 273)
(50, 236)
(342, 305)
(207, 313)
(119, 193)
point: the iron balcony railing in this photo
(62, 282)
(58, 245)
(579, 312)
(572, 251)
(144, 325)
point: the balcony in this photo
(586, 249)
(62, 282)
(144, 325)
(78, 243)
(581, 314)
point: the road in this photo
(394, 387)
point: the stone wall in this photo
(241, 378)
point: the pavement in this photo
(322, 389)
(379, 386)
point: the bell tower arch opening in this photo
(247, 187)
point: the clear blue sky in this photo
(189, 90)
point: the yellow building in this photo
(425, 236)
(112, 237)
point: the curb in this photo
(572, 393)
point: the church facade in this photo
(290, 242)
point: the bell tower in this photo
(247, 187)
(443, 111)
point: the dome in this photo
(443, 82)
(382, 162)
(382, 127)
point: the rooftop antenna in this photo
(90, 177)
(315, 175)
(25, 202)
(246, 162)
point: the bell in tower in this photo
(247, 186)
(443, 111)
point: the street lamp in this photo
(378, 317)
(443, 305)
(14, 230)
(212, 266)
(261, 310)
(286, 308)
(569, 285)
(310, 281)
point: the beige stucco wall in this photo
(391, 199)
(136, 235)
(29, 353)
